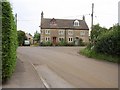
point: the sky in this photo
(29, 12)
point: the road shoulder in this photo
(24, 77)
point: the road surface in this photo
(79, 71)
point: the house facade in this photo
(29, 37)
(57, 30)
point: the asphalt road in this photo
(77, 70)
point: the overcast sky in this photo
(29, 12)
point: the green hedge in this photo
(9, 41)
(46, 43)
(109, 43)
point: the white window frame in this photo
(61, 38)
(70, 39)
(61, 32)
(76, 23)
(70, 32)
(47, 39)
(47, 31)
(82, 33)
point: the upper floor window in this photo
(53, 22)
(76, 23)
(47, 31)
(61, 32)
(70, 32)
(82, 33)
(41, 31)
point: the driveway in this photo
(65, 65)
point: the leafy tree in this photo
(21, 37)
(96, 32)
(36, 36)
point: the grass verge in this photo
(92, 54)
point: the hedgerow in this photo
(9, 41)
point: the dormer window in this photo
(76, 23)
(53, 22)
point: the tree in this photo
(96, 32)
(36, 36)
(21, 37)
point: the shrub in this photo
(9, 41)
(62, 43)
(46, 43)
(81, 43)
(70, 44)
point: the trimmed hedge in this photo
(9, 41)
(0, 43)
(109, 43)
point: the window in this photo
(70, 32)
(61, 39)
(61, 32)
(47, 31)
(47, 39)
(70, 39)
(76, 23)
(82, 33)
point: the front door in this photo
(77, 41)
(54, 40)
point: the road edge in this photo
(41, 78)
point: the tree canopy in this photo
(37, 36)
(21, 37)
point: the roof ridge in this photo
(63, 19)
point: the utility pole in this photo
(16, 20)
(92, 16)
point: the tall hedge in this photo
(9, 41)
(0, 43)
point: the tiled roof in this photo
(62, 24)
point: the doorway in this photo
(54, 40)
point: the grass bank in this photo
(98, 56)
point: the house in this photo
(56, 30)
(29, 37)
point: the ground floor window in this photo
(70, 39)
(61, 39)
(47, 39)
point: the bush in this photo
(62, 43)
(70, 44)
(81, 43)
(9, 41)
(46, 43)
(109, 43)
